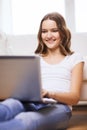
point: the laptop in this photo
(20, 78)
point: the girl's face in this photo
(50, 34)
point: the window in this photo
(81, 15)
(26, 14)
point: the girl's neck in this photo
(53, 57)
(54, 53)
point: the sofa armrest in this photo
(84, 91)
(83, 97)
(85, 69)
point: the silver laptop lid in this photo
(20, 78)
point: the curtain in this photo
(5, 16)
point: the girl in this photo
(62, 73)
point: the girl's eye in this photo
(44, 31)
(55, 30)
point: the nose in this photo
(49, 34)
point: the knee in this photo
(12, 103)
(10, 108)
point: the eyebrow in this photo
(47, 29)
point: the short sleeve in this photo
(76, 58)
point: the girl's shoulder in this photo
(75, 58)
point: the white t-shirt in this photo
(57, 77)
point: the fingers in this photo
(44, 93)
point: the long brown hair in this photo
(63, 31)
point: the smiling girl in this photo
(62, 74)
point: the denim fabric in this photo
(9, 108)
(54, 117)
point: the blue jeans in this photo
(13, 116)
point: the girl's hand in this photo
(44, 93)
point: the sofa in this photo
(26, 44)
(83, 98)
(79, 44)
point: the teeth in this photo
(50, 40)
